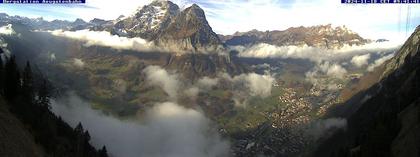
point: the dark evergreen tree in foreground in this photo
(12, 79)
(29, 100)
(103, 152)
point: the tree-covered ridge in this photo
(28, 97)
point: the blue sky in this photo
(228, 16)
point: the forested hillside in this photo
(28, 127)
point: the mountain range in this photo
(187, 30)
(321, 36)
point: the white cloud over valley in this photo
(160, 77)
(78, 63)
(360, 60)
(264, 50)
(103, 38)
(7, 30)
(167, 130)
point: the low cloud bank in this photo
(329, 62)
(167, 130)
(312, 53)
(7, 30)
(103, 38)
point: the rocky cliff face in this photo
(383, 117)
(190, 31)
(170, 28)
(323, 36)
(149, 21)
(194, 66)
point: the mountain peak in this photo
(190, 26)
(165, 24)
(79, 20)
(148, 21)
(195, 10)
(195, 6)
(161, 3)
(321, 36)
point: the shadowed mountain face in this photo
(383, 117)
(198, 65)
(323, 36)
(191, 31)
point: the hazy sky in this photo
(228, 16)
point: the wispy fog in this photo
(333, 70)
(207, 82)
(379, 61)
(257, 85)
(242, 86)
(166, 130)
(160, 77)
(77, 62)
(325, 127)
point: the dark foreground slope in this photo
(27, 126)
(383, 120)
(15, 140)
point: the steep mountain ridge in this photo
(321, 36)
(383, 119)
(190, 31)
(194, 66)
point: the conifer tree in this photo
(44, 95)
(1, 72)
(12, 79)
(27, 84)
(103, 152)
